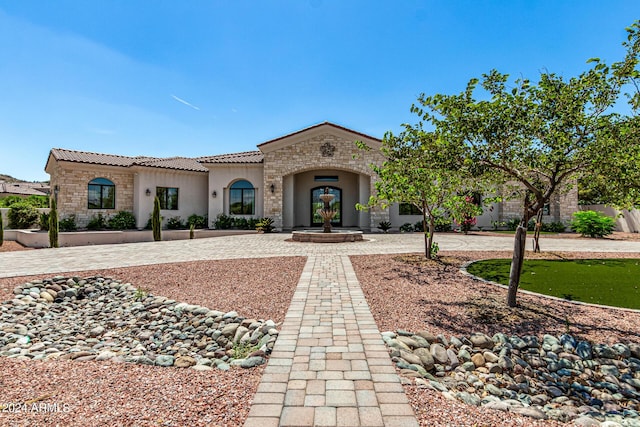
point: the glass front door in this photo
(316, 203)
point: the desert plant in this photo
(192, 233)
(53, 224)
(592, 224)
(68, 223)
(265, 225)
(44, 221)
(385, 226)
(197, 221)
(97, 222)
(22, 215)
(407, 227)
(1, 229)
(156, 223)
(123, 220)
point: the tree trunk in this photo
(516, 262)
(432, 229)
(427, 245)
(536, 233)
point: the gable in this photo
(327, 129)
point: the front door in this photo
(316, 203)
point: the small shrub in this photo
(192, 233)
(592, 224)
(123, 220)
(512, 224)
(385, 226)
(554, 227)
(44, 221)
(435, 248)
(242, 350)
(197, 221)
(22, 215)
(223, 222)
(97, 222)
(442, 224)
(252, 223)
(406, 227)
(418, 226)
(68, 223)
(265, 225)
(175, 223)
(241, 223)
(498, 224)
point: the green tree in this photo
(538, 138)
(53, 224)
(419, 170)
(156, 223)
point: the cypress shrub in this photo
(53, 224)
(155, 220)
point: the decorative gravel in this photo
(421, 295)
(71, 393)
(410, 296)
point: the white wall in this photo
(192, 194)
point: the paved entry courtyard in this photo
(329, 366)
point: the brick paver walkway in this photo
(329, 366)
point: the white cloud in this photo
(185, 102)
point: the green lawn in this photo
(614, 282)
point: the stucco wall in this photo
(192, 193)
(221, 176)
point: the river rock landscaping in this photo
(98, 318)
(557, 378)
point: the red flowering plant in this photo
(465, 212)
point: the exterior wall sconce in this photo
(148, 192)
(214, 194)
(273, 188)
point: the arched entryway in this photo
(316, 203)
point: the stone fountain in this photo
(327, 213)
(327, 235)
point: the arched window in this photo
(102, 194)
(242, 198)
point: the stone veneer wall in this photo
(73, 182)
(307, 155)
(562, 207)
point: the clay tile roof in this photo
(92, 158)
(317, 126)
(244, 157)
(24, 188)
(179, 163)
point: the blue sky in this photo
(191, 78)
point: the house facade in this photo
(282, 180)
